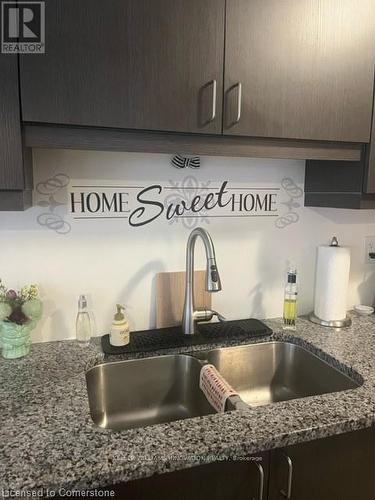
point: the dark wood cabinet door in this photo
(335, 468)
(11, 159)
(300, 69)
(15, 160)
(226, 480)
(142, 64)
(369, 184)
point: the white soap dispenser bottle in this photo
(119, 334)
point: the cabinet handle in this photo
(261, 481)
(214, 92)
(239, 103)
(288, 493)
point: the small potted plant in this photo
(19, 314)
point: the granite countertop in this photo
(49, 441)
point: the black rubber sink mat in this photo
(169, 338)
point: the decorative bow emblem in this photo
(179, 161)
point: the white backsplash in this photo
(114, 263)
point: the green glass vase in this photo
(16, 339)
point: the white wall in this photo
(112, 262)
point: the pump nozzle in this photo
(119, 316)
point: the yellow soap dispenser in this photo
(119, 334)
(290, 301)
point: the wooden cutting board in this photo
(170, 296)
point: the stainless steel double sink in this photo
(142, 392)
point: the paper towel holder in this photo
(340, 323)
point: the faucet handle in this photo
(207, 315)
(219, 316)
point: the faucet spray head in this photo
(213, 283)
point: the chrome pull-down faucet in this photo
(191, 316)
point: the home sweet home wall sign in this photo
(142, 205)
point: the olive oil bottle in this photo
(290, 301)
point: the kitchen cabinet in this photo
(15, 161)
(224, 480)
(138, 64)
(369, 159)
(337, 184)
(301, 69)
(336, 468)
(293, 69)
(342, 184)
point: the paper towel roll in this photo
(331, 282)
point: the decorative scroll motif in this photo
(294, 192)
(186, 190)
(50, 219)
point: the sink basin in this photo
(137, 393)
(276, 371)
(142, 392)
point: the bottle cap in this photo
(82, 302)
(292, 276)
(119, 316)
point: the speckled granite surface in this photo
(47, 438)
